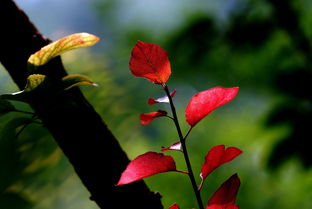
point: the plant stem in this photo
(184, 149)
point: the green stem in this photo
(184, 150)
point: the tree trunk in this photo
(79, 131)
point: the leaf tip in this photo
(147, 118)
(225, 196)
(177, 146)
(174, 206)
(151, 101)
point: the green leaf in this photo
(73, 41)
(74, 80)
(11, 128)
(6, 107)
(9, 155)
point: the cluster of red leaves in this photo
(152, 163)
(151, 62)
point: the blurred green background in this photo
(262, 46)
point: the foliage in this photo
(213, 43)
(73, 41)
(6, 107)
(15, 151)
(151, 62)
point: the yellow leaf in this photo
(74, 80)
(73, 41)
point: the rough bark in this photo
(79, 131)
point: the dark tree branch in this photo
(80, 132)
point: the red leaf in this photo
(176, 146)
(174, 206)
(150, 61)
(146, 165)
(147, 118)
(225, 196)
(152, 101)
(206, 101)
(217, 156)
(163, 99)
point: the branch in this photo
(79, 131)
